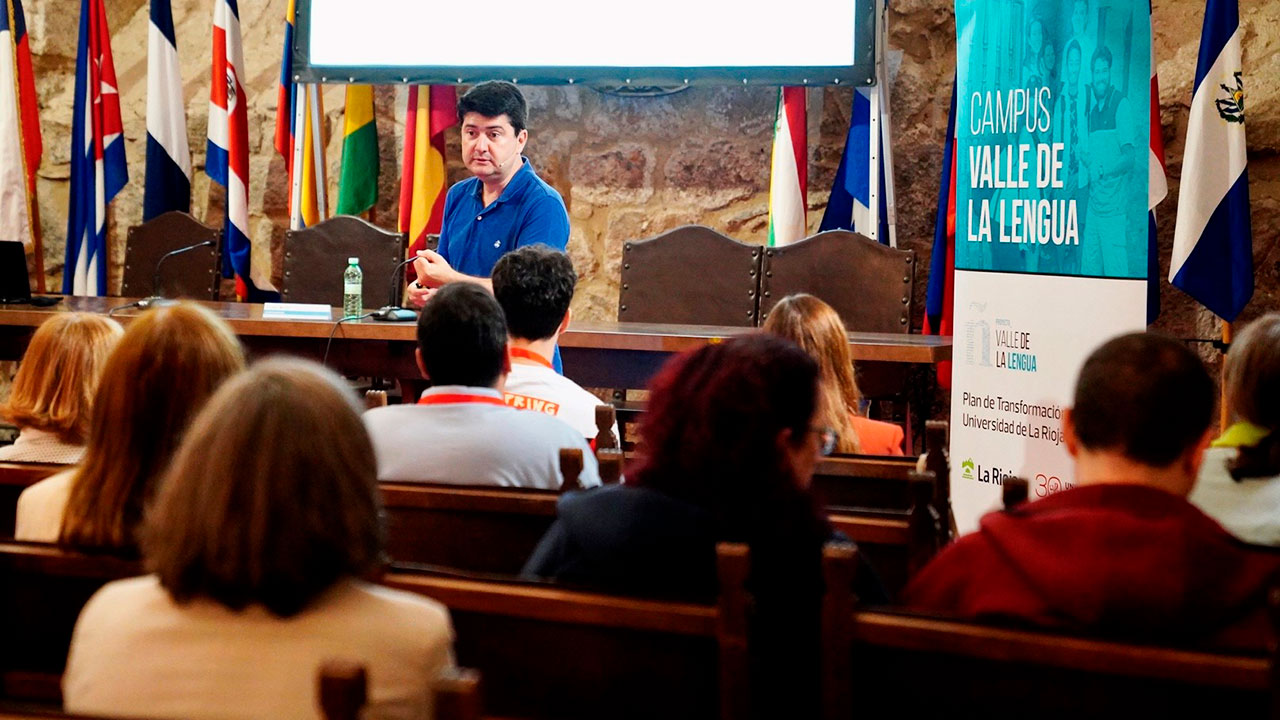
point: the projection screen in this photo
(656, 42)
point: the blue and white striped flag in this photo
(168, 182)
(1213, 242)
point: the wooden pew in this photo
(14, 478)
(546, 651)
(42, 589)
(877, 664)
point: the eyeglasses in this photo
(827, 439)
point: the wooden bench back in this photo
(14, 478)
(546, 651)
(880, 663)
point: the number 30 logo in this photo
(1047, 485)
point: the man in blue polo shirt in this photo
(503, 207)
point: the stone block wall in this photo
(632, 167)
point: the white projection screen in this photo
(663, 42)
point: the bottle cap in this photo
(353, 261)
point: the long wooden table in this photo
(595, 354)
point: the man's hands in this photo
(433, 270)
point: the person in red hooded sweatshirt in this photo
(1122, 554)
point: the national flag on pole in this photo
(358, 185)
(228, 148)
(1213, 238)
(299, 113)
(431, 111)
(789, 169)
(98, 169)
(939, 312)
(19, 129)
(1157, 189)
(168, 178)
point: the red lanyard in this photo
(460, 398)
(519, 352)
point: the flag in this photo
(306, 190)
(789, 174)
(19, 129)
(939, 303)
(227, 161)
(431, 111)
(1157, 189)
(98, 169)
(1213, 241)
(168, 177)
(358, 185)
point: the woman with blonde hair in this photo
(1239, 480)
(53, 391)
(167, 364)
(257, 540)
(816, 327)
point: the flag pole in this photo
(317, 148)
(1224, 413)
(295, 176)
(37, 244)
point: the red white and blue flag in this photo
(168, 178)
(19, 127)
(939, 304)
(98, 169)
(1213, 240)
(227, 161)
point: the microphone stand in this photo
(394, 312)
(155, 299)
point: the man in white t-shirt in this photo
(534, 285)
(461, 432)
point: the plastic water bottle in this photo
(352, 289)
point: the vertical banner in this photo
(1052, 130)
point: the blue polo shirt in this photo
(528, 212)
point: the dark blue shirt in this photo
(528, 212)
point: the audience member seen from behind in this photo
(816, 327)
(1123, 553)
(1239, 483)
(167, 364)
(729, 446)
(534, 286)
(52, 393)
(257, 541)
(461, 431)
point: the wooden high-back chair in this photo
(192, 274)
(315, 258)
(691, 275)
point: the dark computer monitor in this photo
(15, 284)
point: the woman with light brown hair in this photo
(167, 364)
(816, 327)
(257, 540)
(1239, 480)
(53, 391)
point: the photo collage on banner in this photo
(1051, 226)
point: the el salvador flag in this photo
(1213, 241)
(98, 169)
(168, 181)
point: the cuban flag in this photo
(168, 180)
(1213, 240)
(98, 169)
(939, 304)
(228, 150)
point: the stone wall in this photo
(632, 167)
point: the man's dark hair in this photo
(1102, 53)
(463, 336)
(494, 98)
(534, 286)
(1145, 395)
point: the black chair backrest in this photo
(869, 284)
(691, 275)
(315, 258)
(192, 274)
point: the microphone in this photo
(155, 299)
(393, 312)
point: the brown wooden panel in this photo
(315, 258)
(192, 274)
(691, 274)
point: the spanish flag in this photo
(358, 185)
(422, 184)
